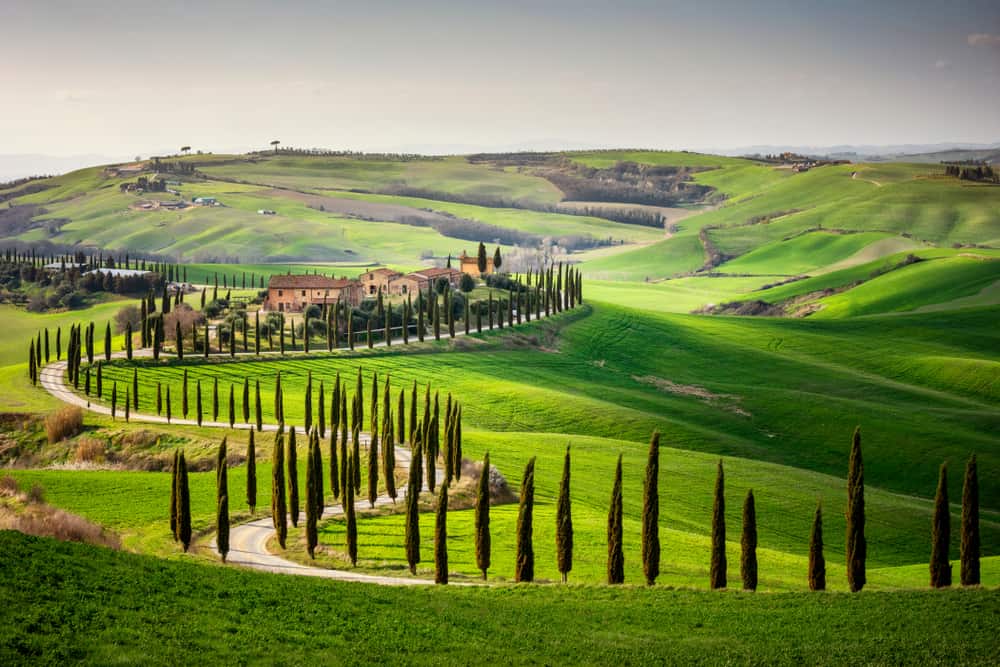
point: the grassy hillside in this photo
(221, 615)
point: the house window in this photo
(281, 307)
(402, 289)
(280, 293)
(303, 292)
(371, 289)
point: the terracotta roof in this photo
(383, 271)
(435, 272)
(309, 281)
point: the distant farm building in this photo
(266, 211)
(470, 264)
(293, 293)
(206, 201)
(420, 280)
(122, 273)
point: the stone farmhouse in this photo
(419, 280)
(293, 293)
(378, 280)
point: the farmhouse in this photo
(419, 280)
(293, 293)
(378, 279)
(470, 264)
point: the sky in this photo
(92, 78)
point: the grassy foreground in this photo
(67, 602)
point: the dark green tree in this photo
(717, 574)
(232, 406)
(215, 399)
(857, 547)
(481, 259)
(312, 536)
(293, 478)
(174, 471)
(651, 513)
(483, 547)
(222, 502)
(258, 412)
(941, 534)
(351, 516)
(748, 542)
(525, 562)
(279, 509)
(413, 512)
(564, 522)
(497, 260)
(441, 536)
(252, 474)
(817, 563)
(970, 524)
(616, 553)
(183, 504)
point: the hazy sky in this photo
(124, 78)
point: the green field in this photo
(159, 612)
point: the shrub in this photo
(125, 316)
(64, 423)
(90, 450)
(36, 494)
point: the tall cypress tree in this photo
(334, 464)
(293, 478)
(279, 509)
(321, 411)
(173, 495)
(215, 399)
(748, 542)
(483, 547)
(350, 516)
(308, 414)
(258, 412)
(232, 406)
(817, 564)
(401, 417)
(312, 538)
(441, 536)
(317, 455)
(356, 458)
(246, 400)
(564, 523)
(616, 554)
(413, 413)
(252, 474)
(344, 479)
(389, 458)
(197, 401)
(651, 513)
(857, 548)
(717, 574)
(184, 394)
(970, 524)
(525, 564)
(107, 342)
(222, 502)
(413, 512)
(941, 534)
(183, 504)
(373, 467)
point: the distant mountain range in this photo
(911, 152)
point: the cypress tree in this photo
(180, 340)
(159, 397)
(279, 412)
(970, 524)
(413, 512)
(334, 464)
(401, 417)
(483, 547)
(335, 405)
(717, 574)
(173, 495)
(748, 542)
(114, 400)
(941, 534)
(413, 413)
(817, 564)
(246, 400)
(308, 416)
(198, 401)
(373, 467)
(350, 515)
(135, 389)
(183, 504)
(441, 536)
(252, 474)
(344, 480)
(651, 513)
(312, 538)
(389, 459)
(258, 415)
(616, 554)
(215, 399)
(46, 345)
(856, 546)
(128, 341)
(356, 458)
(32, 371)
(232, 406)
(317, 455)
(127, 404)
(107, 342)
(222, 502)
(564, 523)
(278, 505)
(256, 333)
(169, 409)
(184, 394)
(525, 564)
(321, 411)
(208, 347)
(293, 478)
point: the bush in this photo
(64, 423)
(90, 450)
(125, 316)
(467, 284)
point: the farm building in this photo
(419, 280)
(293, 293)
(122, 273)
(378, 279)
(470, 264)
(207, 201)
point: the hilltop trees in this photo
(483, 518)
(970, 525)
(525, 564)
(941, 534)
(856, 549)
(564, 523)
(651, 513)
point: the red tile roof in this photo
(309, 281)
